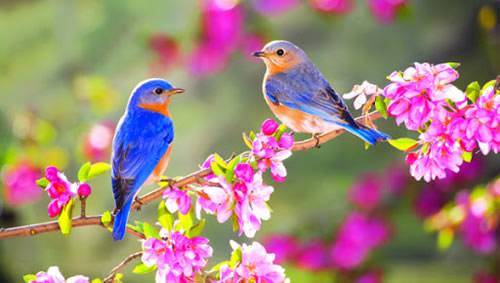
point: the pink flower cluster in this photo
(61, 190)
(54, 275)
(178, 258)
(255, 265)
(20, 183)
(245, 198)
(177, 200)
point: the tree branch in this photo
(35, 229)
(111, 277)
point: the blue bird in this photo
(299, 95)
(141, 146)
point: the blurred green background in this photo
(56, 55)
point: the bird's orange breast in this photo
(160, 168)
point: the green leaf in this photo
(247, 141)
(472, 91)
(217, 169)
(252, 135)
(234, 221)
(97, 280)
(28, 277)
(139, 228)
(165, 218)
(187, 221)
(42, 183)
(83, 173)
(403, 143)
(279, 132)
(381, 107)
(141, 268)
(230, 168)
(97, 170)
(445, 239)
(220, 161)
(150, 231)
(467, 156)
(454, 65)
(196, 230)
(235, 257)
(488, 84)
(219, 265)
(106, 218)
(367, 145)
(66, 217)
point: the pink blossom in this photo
(269, 127)
(178, 258)
(332, 6)
(372, 276)
(84, 189)
(283, 246)
(60, 190)
(428, 202)
(361, 92)
(244, 172)
(54, 208)
(271, 7)
(266, 148)
(357, 236)
(484, 277)
(252, 41)
(216, 199)
(367, 192)
(256, 265)
(385, 10)
(54, 275)
(176, 199)
(207, 59)
(167, 52)
(286, 141)
(313, 256)
(97, 141)
(20, 183)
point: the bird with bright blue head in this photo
(141, 146)
(298, 94)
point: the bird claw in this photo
(316, 137)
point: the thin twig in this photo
(111, 277)
(82, 206)
(35, 229)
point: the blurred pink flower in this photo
(271, 7)
(384, 11)
(478, 233)
(178, 259)
(332, 6)
(366, 192)
(371, 276)
(397, 179)
(167, 52)
(256, 265)
(176, 199)
(53, 275)
(357, 236)
(428, 201)
(20, 183)
(251, 42)
(313, 256)
(97, 142)
(482, 276)
(283, 246)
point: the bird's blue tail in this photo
(369, 135)
(121, 220)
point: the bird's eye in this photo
(280, 52)
(158, 90)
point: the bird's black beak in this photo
(259, 54)
(175, 91)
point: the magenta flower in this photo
(54, 208)
(269, 127)
(428, 202)
(20, 183)
(252, 41)
(270, 154)
(256, 265)
(372, 276)
(367, 192)
(418, 90)
(338, 7)
(217, 199)
(178, 258)
(60, 190)
(271, 7)
(313, 256)
(244, 172)
(482, 276)
(358, 235)
(384, 11)
(176, 199)
(84, 189)
(54, 275)
(361, 92)
(284, 247)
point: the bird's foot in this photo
(316, 137)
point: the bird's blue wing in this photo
(138, 146)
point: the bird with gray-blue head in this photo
(300, 96)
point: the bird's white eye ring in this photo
(158, 91)
(280, 52)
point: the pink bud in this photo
(269, 127)
(286, 141)
(54, 208)
(411, 157)
(210, 159)
(244, 172)
(84, 189)
(51, 174)
(240, 191)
